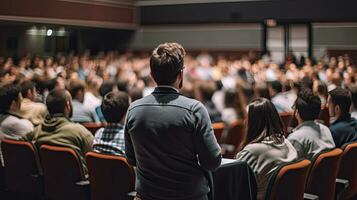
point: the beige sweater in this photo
(264, 158)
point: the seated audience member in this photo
(104, 89)
(206, 90)
(309, 137)
(31, 110)
(234, 109)
(58, 130)
(110, 140)
(266, 148)
(91, 96)
(280, 100)
(344, 128)
(81, 113)
(11, 124)
(353, 90)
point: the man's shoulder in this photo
(180, 101)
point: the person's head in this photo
(307, 83)
(276, 87)
(135, 93)
(77, 89)
(307, 105)
(122, 85)
(353, 91)
(206, 90)
(59, 101)
(114, 106)
(263, 121)
(230, 98)
(10, 98)
(28, 90)
(167, 64)
(339, 102)
(105, 88)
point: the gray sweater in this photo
(169, 138)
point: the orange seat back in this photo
(22, 172)
(218, 130)
(323, 173)
(62, 170)
(234, 135)
(348, 167)
(111, 177)
(289, 182)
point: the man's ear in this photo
(337, 109)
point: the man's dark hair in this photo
(207, 89)
(342, 98)
(353, 91)
(122, 85)
(166, 62)
(105, 88)
(75, 86)
(114, 106)
(136, 93)
(308, 105)
(307, 82)
(8, 94)
(56, 101)
(26, 86)
(277, 86)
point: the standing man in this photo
(169, 137)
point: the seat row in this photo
(57, 174)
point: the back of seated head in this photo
(341, 97)
(57, 100)
(105, 88)
(207, 89)
(122, 85)
(263, 121)
(8, 94)
(76, 86)
(308, 105)
(135, 93)
(114, 106)
(26, 87)
(166, 62)
(353, 91)
(306, 82)
(277, 86)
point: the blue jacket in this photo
(344, 130)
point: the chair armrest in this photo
(343, 183)
(132, 194)
(308, 196)
(83, 183)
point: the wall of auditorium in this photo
(114, 14)
(197, 37)
(334, 36)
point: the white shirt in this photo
(310, 138)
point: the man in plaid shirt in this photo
(110, 140)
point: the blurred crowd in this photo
(224, 85)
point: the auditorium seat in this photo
(288, 182)
(218, 128)
(93, 126)
(286, 119)
(23, 173)
(111, 177)
(323, 173)
(348, 172)
(232, 139)
(63, 174)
